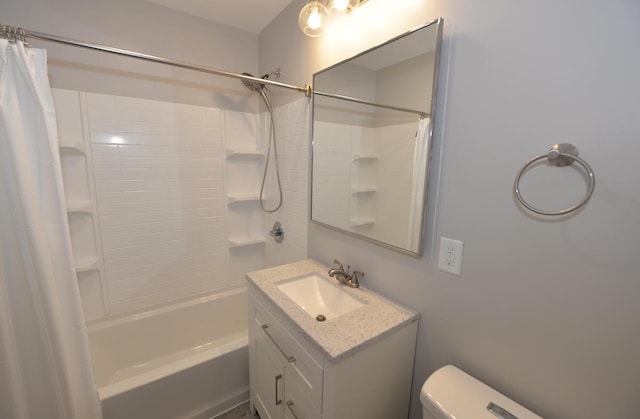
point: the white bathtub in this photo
(187, 360)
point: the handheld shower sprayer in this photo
(264, 91)
(258, 87)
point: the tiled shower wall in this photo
(336, 152)
(395, 182)
(159, 182)
(332, 155)
(157, 175)
(292, 131)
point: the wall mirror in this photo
(372, 125)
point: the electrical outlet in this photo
(450, 258)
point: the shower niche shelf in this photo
(247, 153)
(75, 174)
(83, 239)
(78, 148)
(86, 264)
(243, 166)
(362, 210)
(236, 198)
(89, 282)
(245, 220)
(364, 158)
(79, 190)
(364, 185)
(364, 189)
(362, 221)
(246, 241)
(80, 206)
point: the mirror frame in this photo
(419, 252)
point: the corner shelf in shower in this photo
(86, 264)
(364, 158)
(232, 199)
(246, 241)
(361, 221)
(363, 189)
(80, 206)
(76, 161)
(244, 158)
(232, 153)
(79, 148)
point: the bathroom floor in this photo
(239, 412)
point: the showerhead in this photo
(258, 87)
(254, 86)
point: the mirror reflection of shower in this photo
(265, 93)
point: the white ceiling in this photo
(249, 15)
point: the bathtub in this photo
(186, 360)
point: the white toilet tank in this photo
(451, 393)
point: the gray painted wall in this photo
(546, 311)
(144, 27)
(408, 83)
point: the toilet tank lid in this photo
(450, 392)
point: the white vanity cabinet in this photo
(286, 376)
(293, 377)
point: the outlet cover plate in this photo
(450, 257)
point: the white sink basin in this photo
(317, 296)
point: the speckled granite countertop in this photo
(341, 336)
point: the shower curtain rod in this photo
(18, 33)
(364, 102)
(162, 60)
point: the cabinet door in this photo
(297, 403)
(269, 377)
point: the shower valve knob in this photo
(277, 232)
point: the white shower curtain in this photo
(420, 162)
(45, 369)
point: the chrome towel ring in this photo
(562, 154)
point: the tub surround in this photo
(340, 337)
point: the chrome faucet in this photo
(349, 279)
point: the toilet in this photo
(451, 393)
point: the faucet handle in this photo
(357, 273)
(354, 277)
(338, 264)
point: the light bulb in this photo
(312, 18)
(341, 7)
(315, 20)
(340, 4)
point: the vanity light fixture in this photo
(314, 15)
(312, 18)
(341, 7)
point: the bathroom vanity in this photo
(354, 359)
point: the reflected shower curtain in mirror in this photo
(420, 161)
(45, 369)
